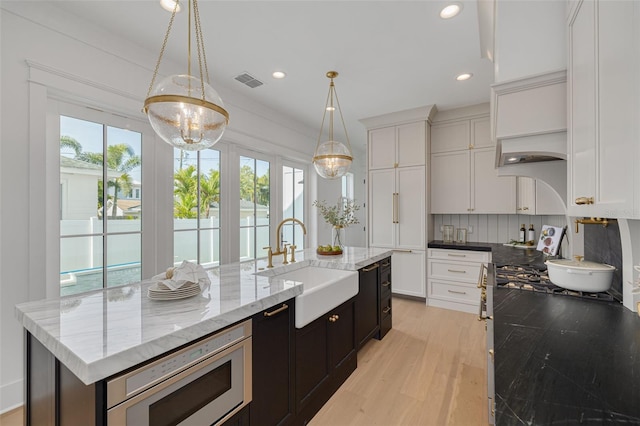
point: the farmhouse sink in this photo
(323, 290)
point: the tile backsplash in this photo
(493, 228)
(603, 245)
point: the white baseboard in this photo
(11, 396)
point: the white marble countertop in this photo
(101, 333)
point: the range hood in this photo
(532, 149)
(529, 126)
(530, 119)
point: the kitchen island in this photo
(563, 360)
(97, 334)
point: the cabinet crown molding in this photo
(463, 113)
(425, 113)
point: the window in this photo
(100, 227)
(347, 186)
(254, 207)
(196, 209)
(292, 205)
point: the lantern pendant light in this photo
(332, 159)
(184, 110)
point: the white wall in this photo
(105, 71)
(529, 38)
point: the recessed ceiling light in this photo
(279, 74)
(168, 5)
(465, 76)
(451, 10)
(512, 159)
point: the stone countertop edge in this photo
(87, 353)
(459, 246)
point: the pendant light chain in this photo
(164, 45)
(200, 47)
(323, 117)
(346, 135)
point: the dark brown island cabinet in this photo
(296, 371)
(273, 365)
(325, 358)
(373, 302)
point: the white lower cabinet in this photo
(453, 278)
(408, 274)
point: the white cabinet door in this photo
(381, 203)
(411, 144)
(526, 195)
(618, 100)
(408, 275)
(410, 187)
(492, 194)
(450, 183)
(382, 148)
(398, 146)
(481, 133)
(535, 197)
(581, 143)
(454, 136)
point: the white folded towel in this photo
(186, 272)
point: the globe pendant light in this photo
(332, 159)
(184, 110)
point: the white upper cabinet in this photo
(397, 146)
(463, 175)
(535, 197)
(604, 111)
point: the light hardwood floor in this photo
(12, 418)
(429, 370)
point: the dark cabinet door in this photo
(273, 365)
(385, 297)
(342, 342)
(367, 304)
(325, 357)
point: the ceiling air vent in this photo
(249, 80)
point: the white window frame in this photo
(305, 214)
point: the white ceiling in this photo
(391, 55)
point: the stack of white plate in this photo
(159, 291)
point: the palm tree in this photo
(185, 186)
(69, 142)
(247, 177)
(121, 158)
(209, 190)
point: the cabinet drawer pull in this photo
(386, 284)
(457, 292)
(584, 200)
(384, 265)
(334, 318)
(284, 307)
(371, 268)
(386, 310)
(455, 270)
(491, 354)
(402, 251)
(456, 255)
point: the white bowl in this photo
(580, 275)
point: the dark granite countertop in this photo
(500, 254)
(564, 360)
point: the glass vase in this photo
(338, 236)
